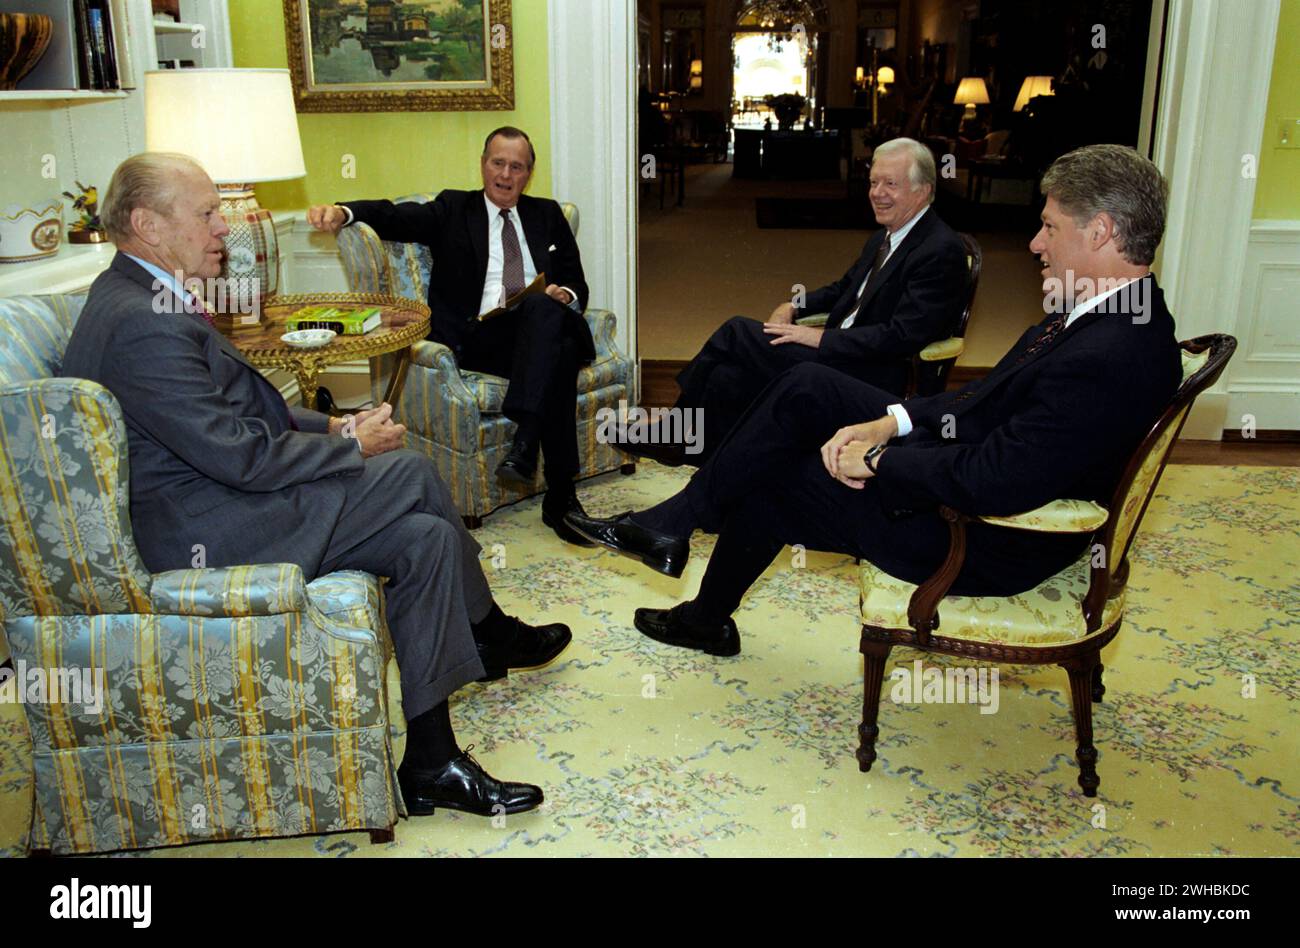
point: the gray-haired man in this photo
(905, 291)
(218, 459)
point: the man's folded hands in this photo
(844, 454)
(373, 428)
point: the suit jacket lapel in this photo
(896, 257)
(478, 224)
(534, 233)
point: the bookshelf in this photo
(57, 137)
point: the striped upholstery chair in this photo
(455, 417)
(235, 703)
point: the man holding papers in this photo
(488, 248)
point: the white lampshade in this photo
(885, 75)
(239, 124)
(1032, 86)
(972, 91)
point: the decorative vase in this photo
(24, 37)
(29, 233)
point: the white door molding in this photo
(592, 51)
(1213, 98)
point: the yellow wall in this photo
(399, 152)
(1277, 192)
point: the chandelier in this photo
(784, 19)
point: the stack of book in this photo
(90, 46)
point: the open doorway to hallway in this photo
(996, 88)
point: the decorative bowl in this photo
(308, 338)
(24, 37)
(29, 233)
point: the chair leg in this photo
(1083, 672)
(627, 469)
(874, 656)
(472, 522)
(379, 837)
(1098, 689)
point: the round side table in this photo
(405, 321)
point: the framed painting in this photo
(409, 56)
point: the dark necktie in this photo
(1054, 329)
(881, 256)
(512, 268)
(1048, 336)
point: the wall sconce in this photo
(860, 78)
(697, 75)
(884, 76)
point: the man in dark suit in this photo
(222, 467)
(905, 291)
(1057, 417)
(486, 246)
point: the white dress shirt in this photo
(905, 421)
(494, 292)
(896, 238)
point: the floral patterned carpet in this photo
(645, 750)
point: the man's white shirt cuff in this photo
(348, 212)
(903, 419)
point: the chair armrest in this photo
(816, 319)
(438, 359)
(1059, 516)
(364, 261)
(603, 325)
(943, 349)
(268, 589)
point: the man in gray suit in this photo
(220, 464)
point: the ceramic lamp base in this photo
(250, 276)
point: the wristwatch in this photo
(870, 457)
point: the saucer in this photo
(308, 338)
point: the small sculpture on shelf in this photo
(88, 230)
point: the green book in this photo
(345, 322)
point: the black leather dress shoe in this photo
(520, 466)
(668, 626)
(464, 785)
(553, 517)
(530, 647)
(659, 551)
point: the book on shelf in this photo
(345, 322)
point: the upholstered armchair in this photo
(235, 703)
(928, 371)
(1068, 618)
(455, 416)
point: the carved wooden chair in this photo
(1065, 620)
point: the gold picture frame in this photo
(453, 56)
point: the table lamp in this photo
(241, 126)
(970, 93)
(1033, 86)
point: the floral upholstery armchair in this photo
(454, 416)
(1067, 618)
(192, 705)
